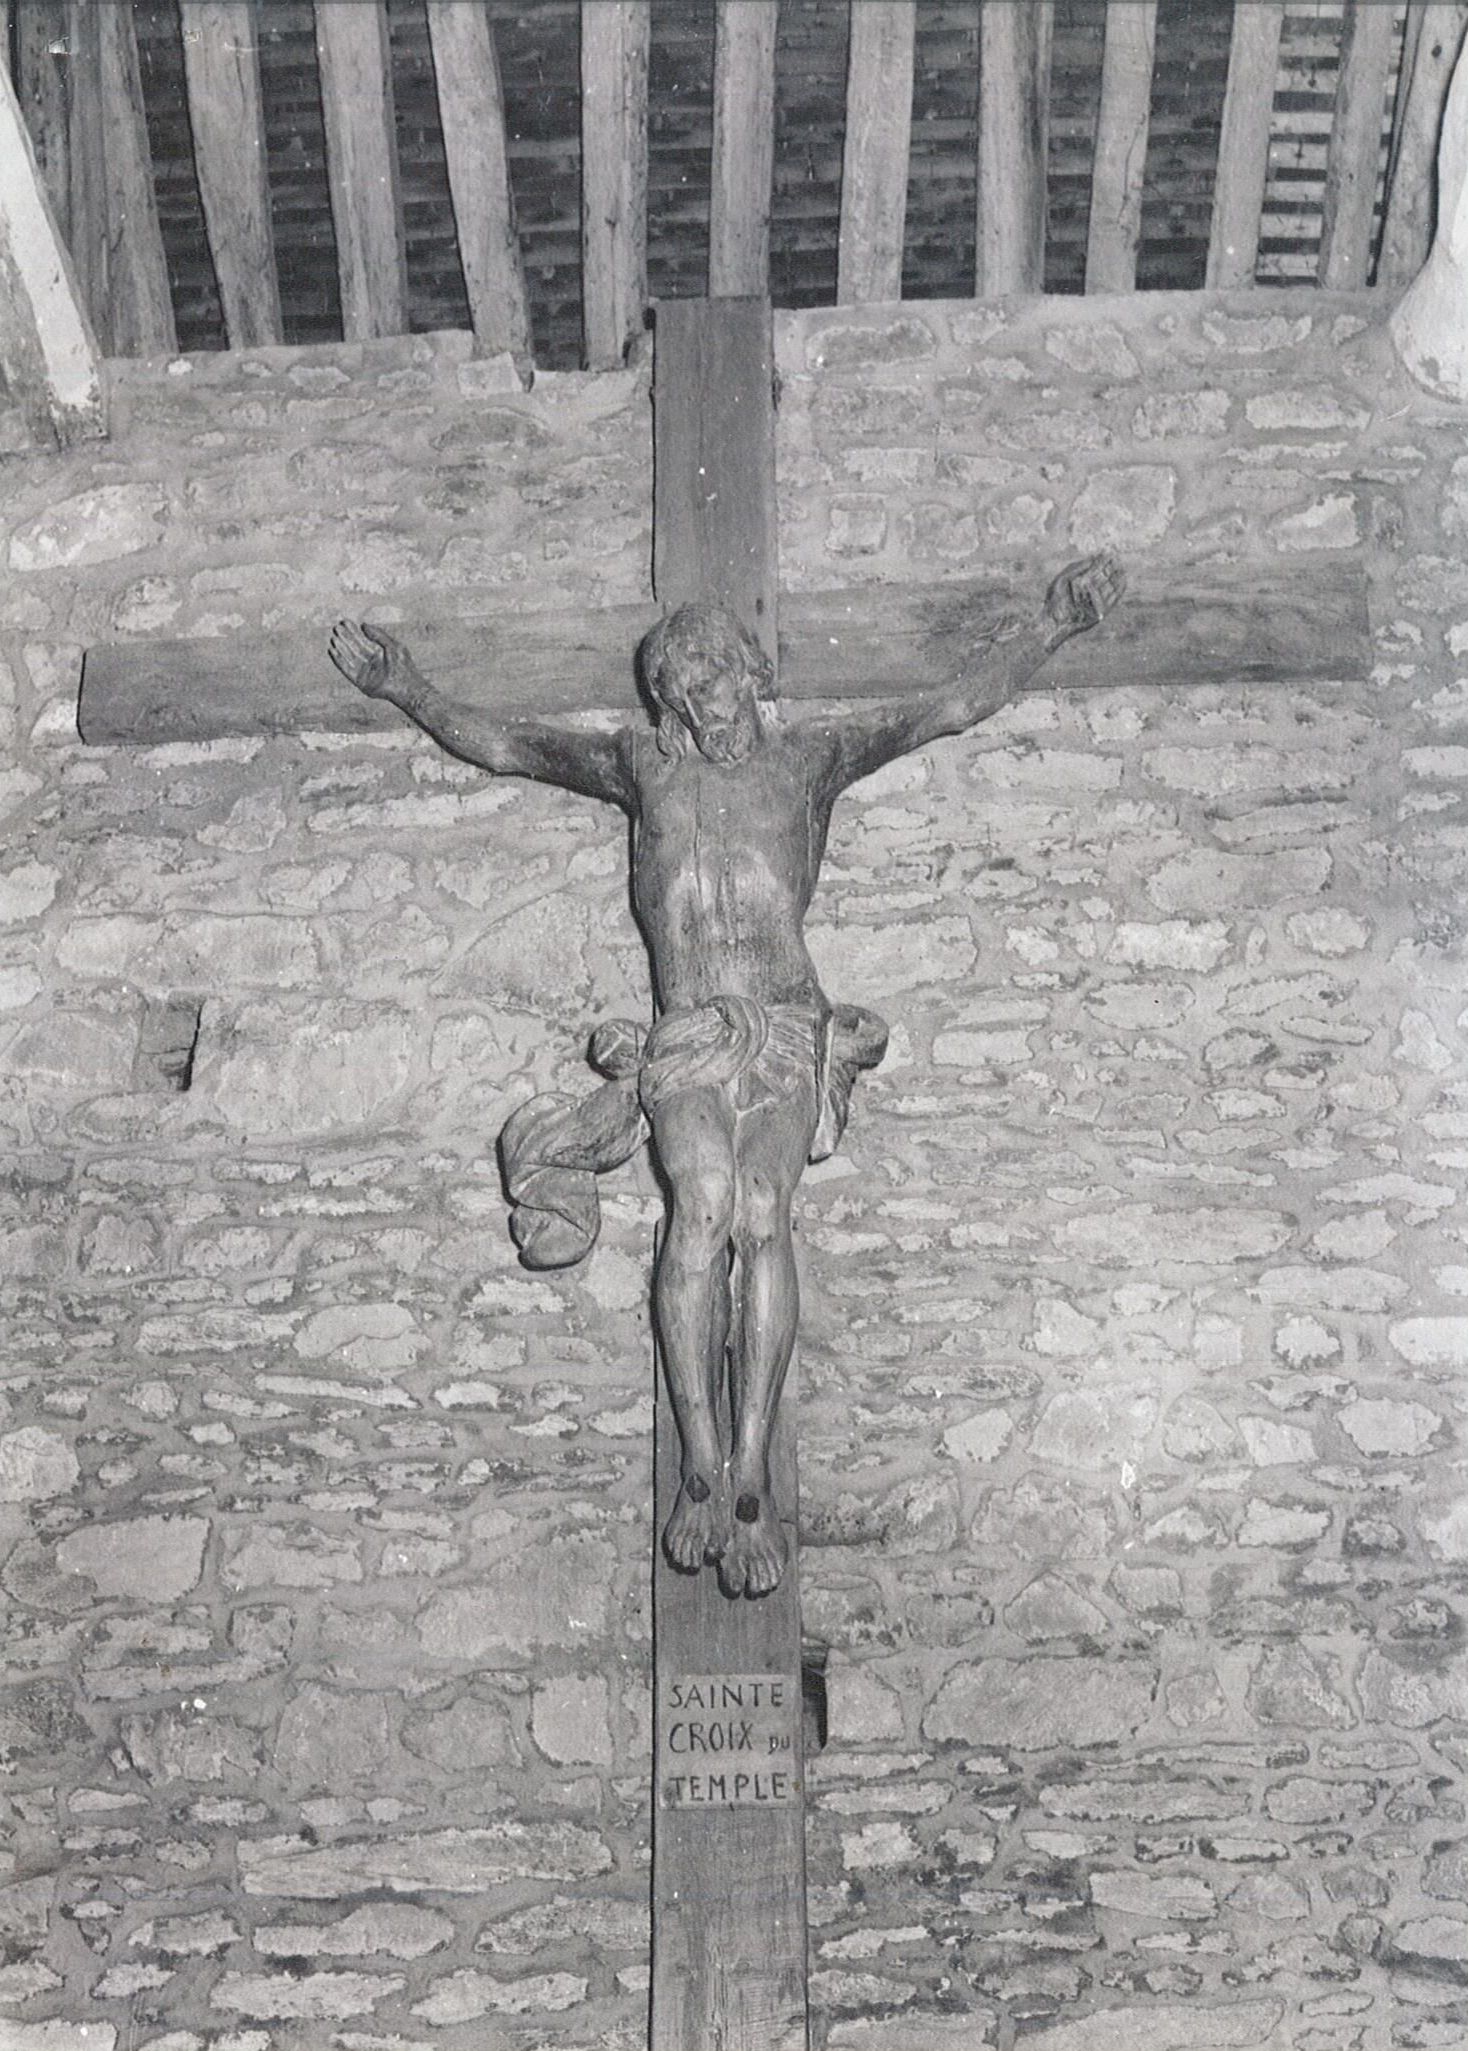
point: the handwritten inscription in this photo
(728, 1741)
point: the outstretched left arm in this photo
(1080, 596)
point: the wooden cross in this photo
(729, 1923)
(728, 1891)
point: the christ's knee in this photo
(763, 1219)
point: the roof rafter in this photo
(615, 36)
(875, 153)
(47, 349)
(1355, 138)
(472, 109)
(1120, 162)
(116, 242)
(1014, 125)
(352, 50)
(743, 149)
(222, 73)
(40, 31)
(1243, 144)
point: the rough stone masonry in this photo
(1136, 1306)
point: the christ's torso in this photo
(725, 859)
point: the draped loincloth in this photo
(553, 1148)
(760, 1053)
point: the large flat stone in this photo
(1167, 2026)
(1035, 1704)
(1135, 1235)
(59, 2035)
(310, 1997)
(433, 1861)
(35, 1464)
(281, 1071)
(147, 1559)
(555, 1594)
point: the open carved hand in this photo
(373, 661)
(1084, 593)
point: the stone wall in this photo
(1135, 1311)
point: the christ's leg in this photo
(694, 1136)
(772, 1146)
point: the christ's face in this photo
(716, 701)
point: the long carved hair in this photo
(704, 626)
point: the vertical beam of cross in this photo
(714, 459)
(729, 1929)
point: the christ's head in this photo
(706, 674)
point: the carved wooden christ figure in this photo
(745, 1073)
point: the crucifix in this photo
(746, 1072)
(753, 1065)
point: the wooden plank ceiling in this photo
(299, 171)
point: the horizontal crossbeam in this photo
(1239, 625)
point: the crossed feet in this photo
(730, 1521)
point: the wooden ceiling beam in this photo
(743, 161)
(1014, 127)
(1119, 164)
(142, 303)
(615, 37)
(1243, 144)
(47, 351)
(354, 55)
(116, 241)
(227, 116)
(40, 35)
(88, 236)
(471, 109)
(874, 163)
(1437, 35)
(1352, 165)
(1178, 626)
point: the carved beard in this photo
(722, 743)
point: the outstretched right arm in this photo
(852, 747)
(380, 667)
